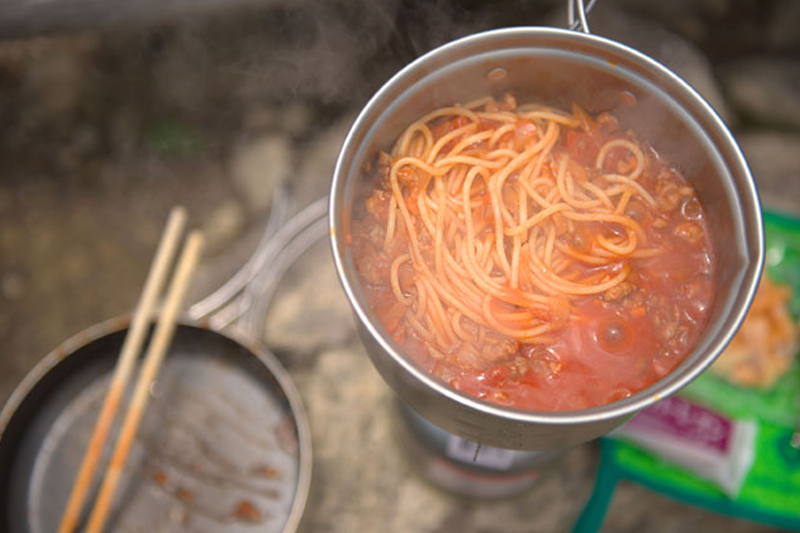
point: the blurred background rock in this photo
(111, 112)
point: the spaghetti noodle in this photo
(495, 230)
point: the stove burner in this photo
(468, 468)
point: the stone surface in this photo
(296, 118)
(13, 287)
(774, 159)
(56, 81)
(675, 52)
(782, 26)
(764, 90)
(628, 513)
(314, 314)
(375, 488)
(179, 78)
(259, 166)
(23, 18)
(313, 177)
(320, 51)
(690, 18)
(223, 225)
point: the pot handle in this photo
(579, 7)
(244, 299)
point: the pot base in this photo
(467, 468)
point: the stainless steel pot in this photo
(558, 67)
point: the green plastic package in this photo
(770, 493)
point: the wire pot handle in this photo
(244, 299)
(577, 11)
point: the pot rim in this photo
(748, 202)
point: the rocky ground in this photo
(104, 129)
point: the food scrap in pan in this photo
(764, 347)
(247, 512)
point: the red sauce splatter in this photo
(247, 512)
(266, 472)
(184, 495)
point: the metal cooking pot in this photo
(557, 67)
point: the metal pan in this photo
(224, 445)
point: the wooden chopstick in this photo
(131, 347)
(150, 367)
